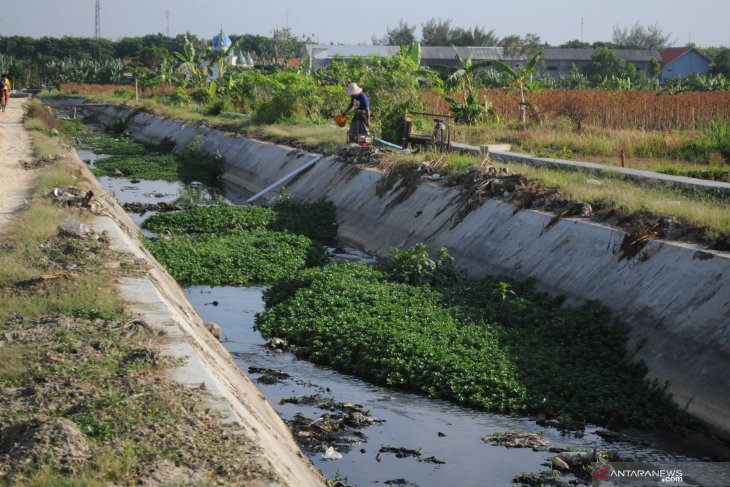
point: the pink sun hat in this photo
(353, 89)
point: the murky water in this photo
(448, 432)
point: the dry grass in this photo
(650, 150)
(605, 191)
(711, 214)
(642, 110)
(33, 248)
(308, 135)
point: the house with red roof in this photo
(683, 61)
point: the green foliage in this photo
(414, 266)
(137, 160)
(438, 32)
(721, 62)
(179, 97)
(492, 344)
(605, 64)
(202, 97)
(401, 35)
(256, 256)
(216, 220)
(470, 111)
(124, 92)
(293, 97)
(715, 136)
(80, 70)
(242, 244)
(396, 334)
(640, 37)
(314, 220)
(110, 144)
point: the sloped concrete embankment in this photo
(675, 297)
(206, 363)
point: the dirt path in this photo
(15, 145)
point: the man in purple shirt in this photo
(358, 100)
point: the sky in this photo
(702, 22)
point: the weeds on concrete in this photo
(683, 215)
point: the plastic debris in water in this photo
(331, 454)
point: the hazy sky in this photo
(704, 22)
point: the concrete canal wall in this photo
(675, 296)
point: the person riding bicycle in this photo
(359, 100)
(5, 87)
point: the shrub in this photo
(414, 266)
(180, 97)
(124, 92)
(201, 96)
(294, 97)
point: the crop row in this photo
(644, 110)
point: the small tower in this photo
(97, 20)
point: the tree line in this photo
(440, 32)
(28, 60)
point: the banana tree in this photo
(463, 78)
(517, 78)
(192, 64)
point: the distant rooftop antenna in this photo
(97, 23)
(167, 23)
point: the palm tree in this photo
(518, 78)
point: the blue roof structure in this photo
(221, 43)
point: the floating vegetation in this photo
(490, 344)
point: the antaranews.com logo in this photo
(639, 474)
(631, 473)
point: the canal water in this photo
(434, 428)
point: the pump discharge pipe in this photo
(388, 144)
(283, 180)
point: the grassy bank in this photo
(699, 216)
(83, 397)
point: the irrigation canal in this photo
(447, 437)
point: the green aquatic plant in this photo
(257, 256)
(492, 344)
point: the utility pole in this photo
(167, 18)
(97, 24)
